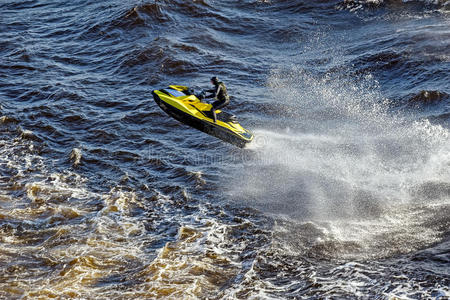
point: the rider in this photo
(220, 94)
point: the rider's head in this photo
(214, 80)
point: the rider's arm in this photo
(214, 92)
(219, 87)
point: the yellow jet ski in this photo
(180, 103)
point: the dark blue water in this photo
(344, 193)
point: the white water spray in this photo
(344, 161)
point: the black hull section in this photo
(211, 129)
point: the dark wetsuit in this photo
(220, 94)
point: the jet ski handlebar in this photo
(201, 95)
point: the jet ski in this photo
(181, 103)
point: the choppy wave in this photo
(355, 5)
(71, 237)
(429, 97)
(344, 192)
